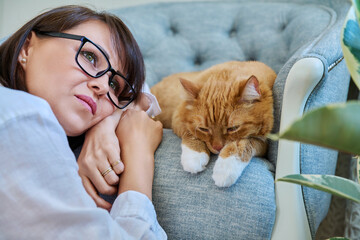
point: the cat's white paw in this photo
(193, 161)
(228, 170)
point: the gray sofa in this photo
(299, 39)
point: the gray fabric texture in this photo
(182, 37)
(177, 37)
(190, 206)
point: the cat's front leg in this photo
(234, 158)
(228, 167)
(194, 156)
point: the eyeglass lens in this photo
(93, 61)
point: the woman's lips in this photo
(87, 102)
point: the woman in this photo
(62, 73)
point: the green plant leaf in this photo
(358, 168)
(335, 185)
(350, 42)
(356, 4)
(335, 126)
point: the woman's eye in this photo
(114, 85)
(232, 129)
(91, 57)
(204, 129)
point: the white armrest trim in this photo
(291, 219)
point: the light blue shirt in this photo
(41, 194)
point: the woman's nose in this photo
(100, 85)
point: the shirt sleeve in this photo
(41, 193)
(154, 107)
(135, 209)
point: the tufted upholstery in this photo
(191, 36)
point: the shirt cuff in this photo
(135, 205)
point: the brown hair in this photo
(61, 19)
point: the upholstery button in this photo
(232, 32)
(198, 60)
(173, 29)
(283, 26)
(251, 58)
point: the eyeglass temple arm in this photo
(61, 35)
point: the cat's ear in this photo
(190, 87)
(251, 91)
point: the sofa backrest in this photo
(181, 37)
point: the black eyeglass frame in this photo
(84, 40)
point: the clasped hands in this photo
(118, 154)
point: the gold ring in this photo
(106, 171)
(116, 163)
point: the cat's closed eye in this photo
(232, 129)
(205, 130)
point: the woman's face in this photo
(78, 100)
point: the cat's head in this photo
(219, 112)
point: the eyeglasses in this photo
(95, 63)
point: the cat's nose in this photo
(217, 147)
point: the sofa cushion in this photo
(191, 206)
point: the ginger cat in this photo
(226, 109)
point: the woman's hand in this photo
(139, 136)
(99, 161)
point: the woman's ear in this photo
(26, 50)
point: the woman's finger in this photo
(110, 176)
(97, 179)
(117, 164)
(100, 202)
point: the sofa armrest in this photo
(301, 81)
